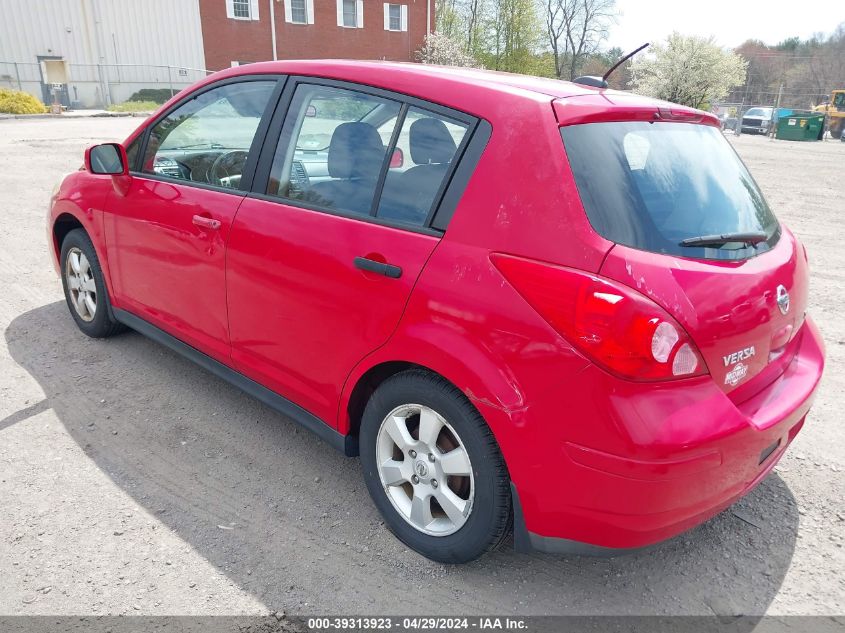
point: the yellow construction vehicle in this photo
(834, 110)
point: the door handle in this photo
(388, 270)
(206, 223)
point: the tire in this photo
(82, 276)
(479, 515)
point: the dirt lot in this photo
(134, 482)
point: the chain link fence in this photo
(98, 85)
(732, 117)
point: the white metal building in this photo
(101, 51)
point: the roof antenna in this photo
(601, 82)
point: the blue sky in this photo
(728, 20)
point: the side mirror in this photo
(108, 158)
(397, 159)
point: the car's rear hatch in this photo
(731, 310)
(693, 232)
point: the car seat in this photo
(355, 158)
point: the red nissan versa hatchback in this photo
(525, 303)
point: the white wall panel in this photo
(113, 47)
(165, 32)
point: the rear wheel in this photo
(433, 468)
(85, 287)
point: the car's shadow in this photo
(298, 526)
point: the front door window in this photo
(207, 139)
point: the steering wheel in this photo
(227, 168)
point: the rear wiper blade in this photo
(726, 238)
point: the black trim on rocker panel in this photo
(346, 444)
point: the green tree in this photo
(689, 70)
(448, 19)
(515, 36)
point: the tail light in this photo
(611, 324)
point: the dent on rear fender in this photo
(447, 354)
(474, 370)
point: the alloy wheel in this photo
(80, 284)
(425, 469)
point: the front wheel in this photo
(434, 469)
(85, 287)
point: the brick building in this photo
(243, 31)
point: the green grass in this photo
(133, 106)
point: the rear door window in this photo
(653, 185)
(425, 149)
(369, 153)
(330, 154)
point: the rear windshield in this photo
(652, 185)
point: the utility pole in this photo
(273, 28)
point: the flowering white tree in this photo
(444, 51)
(690, 70)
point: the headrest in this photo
(355, 151)
(431, 142)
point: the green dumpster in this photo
(800, 127)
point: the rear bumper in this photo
(637, 465)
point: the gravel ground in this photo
(133, 482)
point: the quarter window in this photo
(330, 154)
(208, 138)
(132, 153)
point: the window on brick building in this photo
(395, 17)
(242, 9)
(350, 13)
(298, 12)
